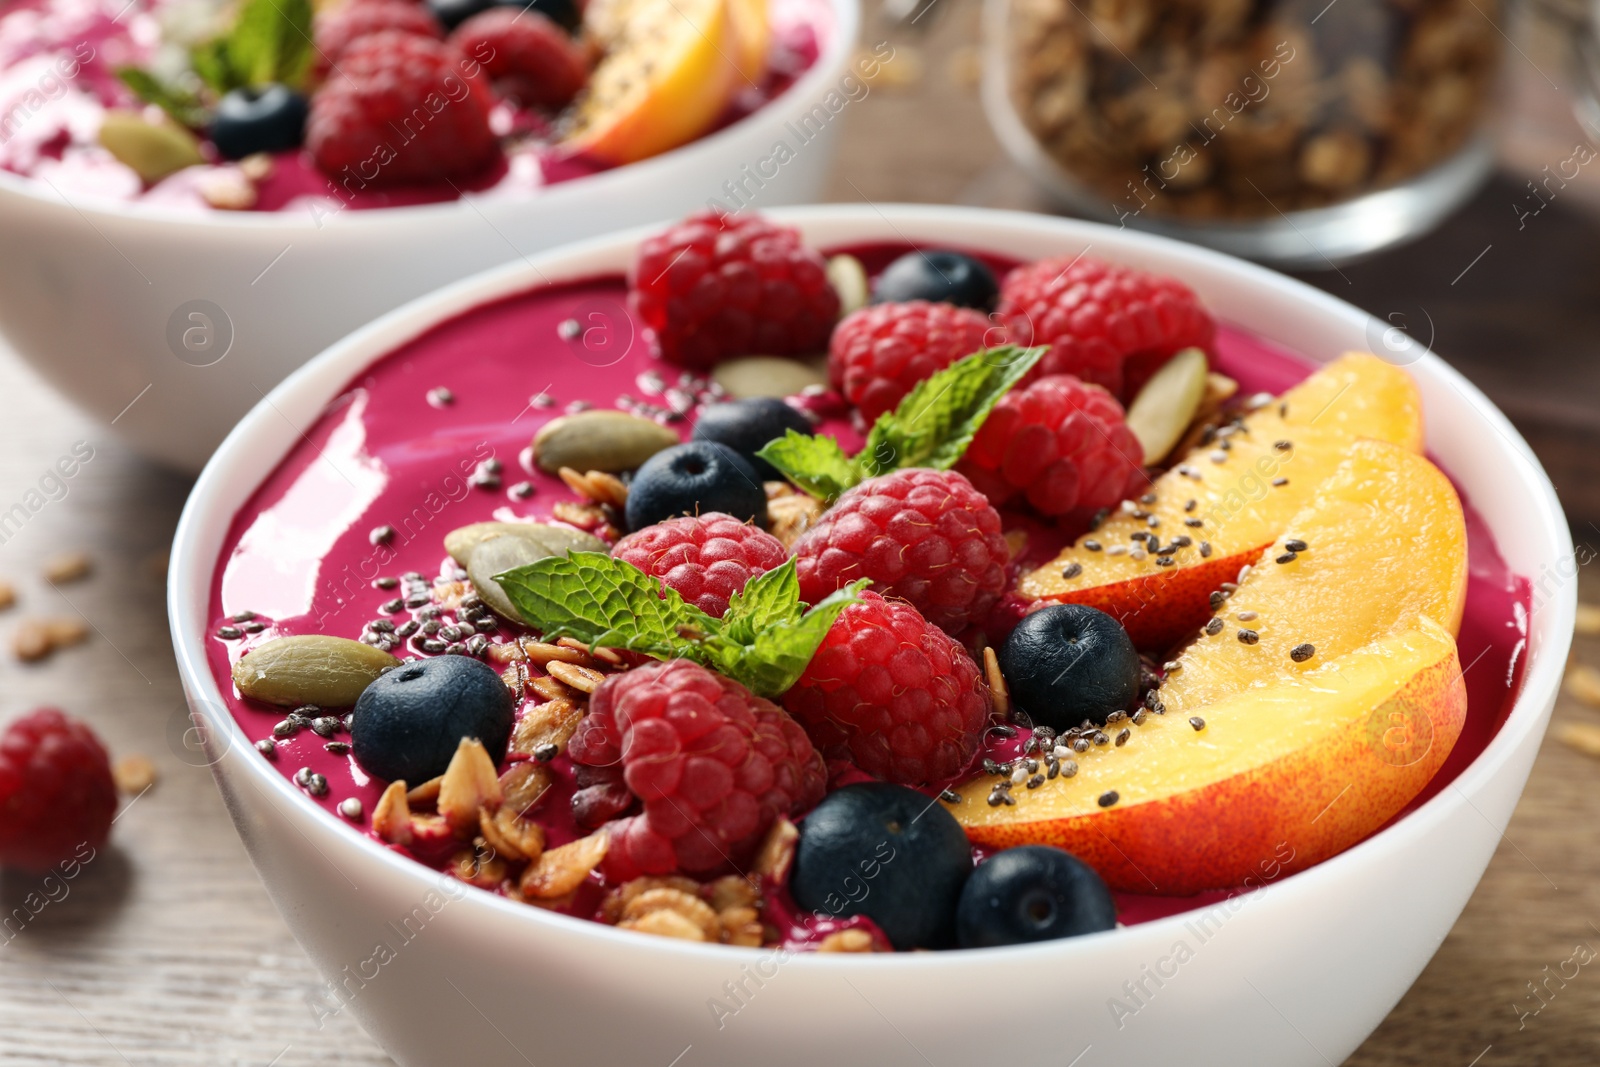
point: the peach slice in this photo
(671, 68)
(1267, 761)
(753, 34)
(1244, 489)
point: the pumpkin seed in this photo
(599, 440)
(330, 672)
(849, 279)
(504, 551)
(766, 376)
(555, 540)
(153, 149)
(1167, 403)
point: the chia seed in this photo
(229, 633)
(1080, 745)
(477, 645)
(392, 607)
(317, 785)
(1302, 652)
(1108, 798)
(431, 645)
(1280, 482)
(546, 752)
(350, 808)
(1189, 505)
(1069, 768)
(1092, 546)
(268, 748)
(1247, 616)
(1283, 446)
(1194, 524)
(325, 726)
(455, 648)
(381, 535)
(286, 728)
(337, 748)
(1122, 738)
(1214, 627)
(1294, 544)
(407, 628)
(431, 627)
(1197, 722)
(253, 627)
(1101, 738)
(1218, 598)
(1164, 561)
(386, 582)
(1205, 549)
(1072, 570)
(1248, 636)
(417, 600)
(1287, 557)
(520, 491)
(381, 626)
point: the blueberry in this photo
(1032, 893)
(1067, 663)
(748, 425)
(693, 479)
(940, 276)
(452, 13)
(886, 852)
(563, 13)
(269, 118)
(408, 723)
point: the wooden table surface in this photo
(165, 950)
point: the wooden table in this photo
(166, 951)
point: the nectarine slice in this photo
(670, 69)
(1229, 499)
(1264, 761)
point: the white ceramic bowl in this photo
(97, 295)
(1297, 973)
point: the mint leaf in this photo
(769, 599)
(270, 42)
(764, 642)
(816, 464)
(605, 602)
(936, 421)
(778, 653)
(183, 106)
(211, 64)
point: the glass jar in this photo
(1299, 132)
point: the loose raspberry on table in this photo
(717, 286)
(525, 54)
(712, 763)
(926, 536)
(57, 795)
(895, 695)
(337, 28)
(400, 110)
(706, 558)
(1106, 323)
(879, 353)
(1061, 444)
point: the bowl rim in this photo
(1541, 675)
(830, 65)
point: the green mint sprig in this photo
(269, 41)
(764, 641)
(931, 427)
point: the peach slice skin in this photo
(1373, 744)
(1240, 510)
(1298, 758)
(670, 73)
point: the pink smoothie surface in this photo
(300, 557)
(58, 63)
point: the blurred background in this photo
(170, 953)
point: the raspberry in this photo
(897, 696)
(339, 28)
(56, 791)
(1105, 323)
(925, 536)
(717, 286)
(713, 764)
(880, 352)
(526, 55)
(401, 112)
(1060, 443)
(706, 558)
